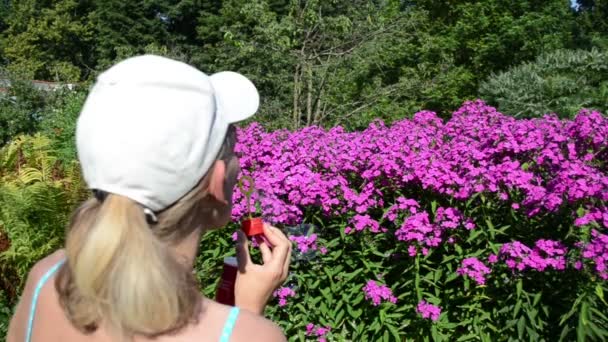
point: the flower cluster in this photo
(361, 222)
(402, 204)
(283, 293)
(596, 251)
(428, 311)
(537, 165)
(420, 182)
(418, 228)
(378, 293)
(596, 215)
(305, 243)
(545, 254)
(475, 269)
(318, 331)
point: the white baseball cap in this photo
(151, 127)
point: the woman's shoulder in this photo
(44, 265)
(35, 275)
(253, 327)
(247, 326)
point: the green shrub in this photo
(37, 195)
(21, 109)
(6, 312)
(560, 82)
(59, 123)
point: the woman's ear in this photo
(217, 178)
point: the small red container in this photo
(225, 289)
(253, 226)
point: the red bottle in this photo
(225, 289)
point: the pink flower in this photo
(475, 269)
(304, 243)
(309, 328)
(378, 293)
(318, 331)
(428, 311)
(283, 293)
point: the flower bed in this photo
(483, 226)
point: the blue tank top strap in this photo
(229, 325)
(37, 290)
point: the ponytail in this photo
(121, 274)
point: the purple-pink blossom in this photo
(317, 330)
(283, 293)
(596, 253)
(548, 162)
(428, 311)
(475, 269)
(361, 222)
(545, 254)
(305, 243)
(378, 293)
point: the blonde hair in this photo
(120, 270)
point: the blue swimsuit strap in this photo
(230, 322)
(39, 286)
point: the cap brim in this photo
(237, 97)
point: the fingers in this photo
(275, 250)
(287, 261)
(274, 235)
(242, 251)
(281, 252)
(266, 252)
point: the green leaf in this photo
(599, 291)
(394, 331)
(519, 289)
(521, 324)
(516, 309)
(536, 299)
(353, 313)
(582, 323)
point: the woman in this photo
(156, 145)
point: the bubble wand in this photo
(252, 226)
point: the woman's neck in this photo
(186, 250)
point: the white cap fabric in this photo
(151, 127)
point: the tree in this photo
(561, 82)
(327, 63)
(490, 36)
(592, 26)
(21, 110)
(48, 40)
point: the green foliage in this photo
(37, 195)
(592, 27)
(562, 82)
(20, 109)
(531, 306)
(123, 29)
(315, 62)
(6, 313)
(333, 63)
(48, 39)
(59, 123)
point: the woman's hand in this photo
(256, 283)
